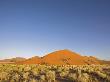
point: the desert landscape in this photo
(54, 40)
(58, 66)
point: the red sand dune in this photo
(33, 60)
(62, 57)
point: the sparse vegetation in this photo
(54, 73)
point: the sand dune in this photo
(60, 57)
(33, 60)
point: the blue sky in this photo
(38, 27)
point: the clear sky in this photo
(38, 27)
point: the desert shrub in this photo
(27, 68)
(50, 76)
(15, 77)
(64, 74)
(102, 75)
(51, 73)
(59, 69)
(33, 80)
(72, 77)
(84, 77)
(3, 76)
(42, 78)
(35, 71)
(26, 76)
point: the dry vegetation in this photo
(54, 73)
